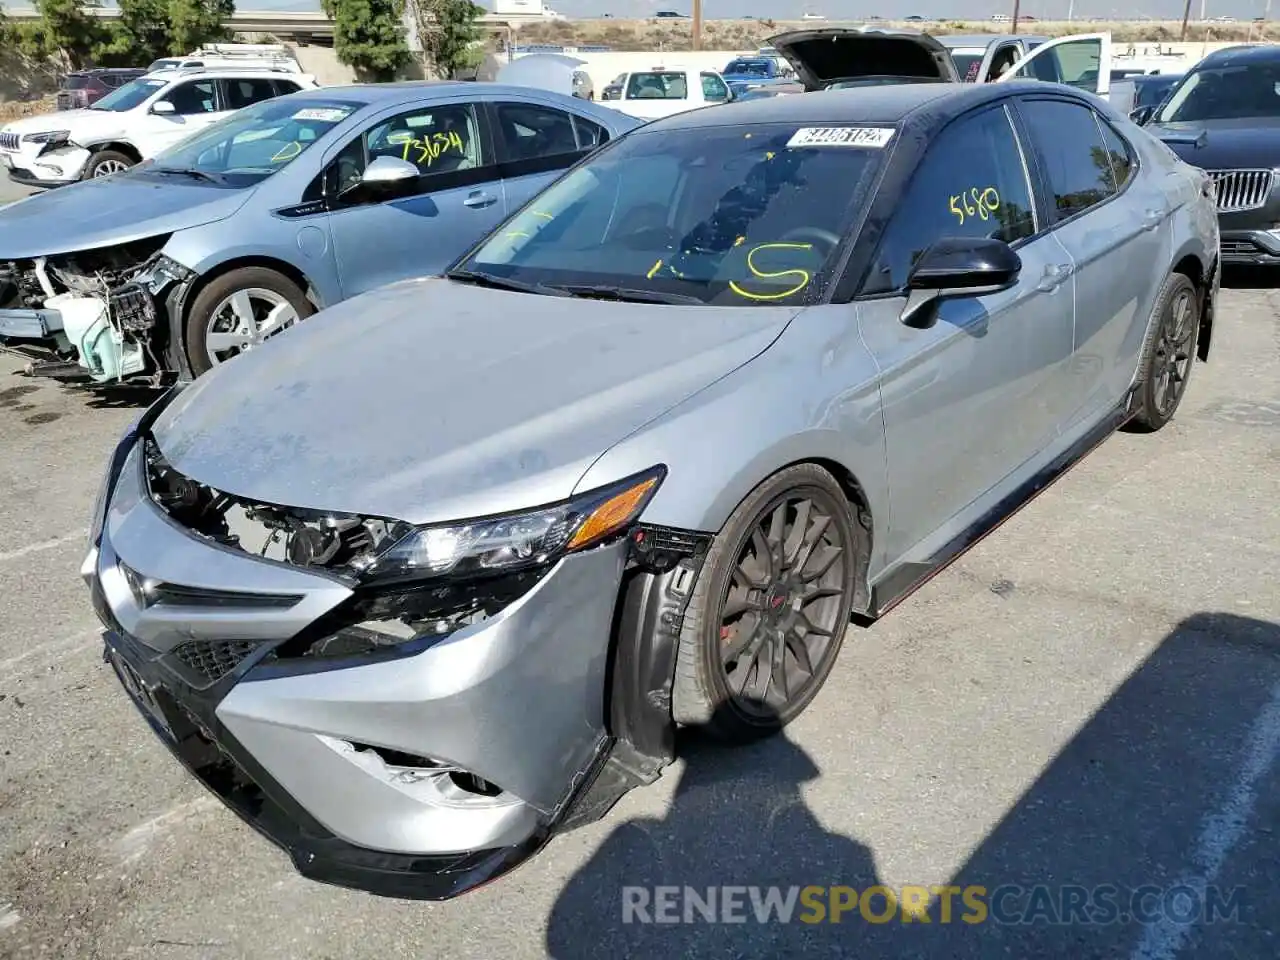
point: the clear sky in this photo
(845, 10)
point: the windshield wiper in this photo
(187, 172)
(503, 283)
(627, 294)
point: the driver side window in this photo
(443, 141)
(972, 182)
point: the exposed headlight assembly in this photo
(510, 542)
(51, 137)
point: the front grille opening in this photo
(473, 784)
(213, 659)
(1237, 190)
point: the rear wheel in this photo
(106, 163)
(770, 608)
(240, 310)
(1168, 354)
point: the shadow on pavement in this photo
(1169, 792)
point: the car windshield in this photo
(1225, 93)
(751, 68)
(255, 142)
(129, 96)
(723, 216)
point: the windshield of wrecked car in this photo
(255, 142)
(722, 215)
(129, 96)
(1225, 93)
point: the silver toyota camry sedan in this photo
(439, 572)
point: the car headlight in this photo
(160, 272)
(48, 136)
(501, 544)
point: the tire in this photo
(105, 163)
(265, 290)
(706, 675)
(1168, 354)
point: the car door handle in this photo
(480, 199)
(1054, 275)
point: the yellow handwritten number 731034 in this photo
(975, 202)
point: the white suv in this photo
(133, 123)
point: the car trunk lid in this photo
(827, 54)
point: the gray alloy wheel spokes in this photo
(1173, 354)
(778, 615)
(108, 167)
(245, 319)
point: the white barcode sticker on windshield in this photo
(322, 114)
(874, 137)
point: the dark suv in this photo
(83, 87)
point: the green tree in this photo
(140, 35)
(448, 31)
(66, 30)
(196, 22)
(368, 36)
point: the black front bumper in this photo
(185, 726)
(1250, 247)
(25, 178)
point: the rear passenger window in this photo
(1120, 151)
(284, 87)
(532, 131)
(1071, 149)
(246, 92)
(971, 183)
(590, 135)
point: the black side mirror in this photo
(1142, 115)
(957, 267)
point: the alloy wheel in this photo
(108, 167)
(780, 611)
(1173, 353)
(245, 319)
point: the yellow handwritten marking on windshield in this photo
(769, 155)
(431, 147)
(975, 202)
(656, 267)
(539, 213)
(767, 275)
(516, 234)
(739, 241)
(287, 152)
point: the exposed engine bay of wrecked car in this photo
(99, 308)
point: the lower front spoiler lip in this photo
(231, 774)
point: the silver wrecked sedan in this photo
(438, 572)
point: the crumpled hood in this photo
(430, 401)
(112, 210)
(1249, 143)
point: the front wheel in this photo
(770, 608)
(106, 163)
(238, 311)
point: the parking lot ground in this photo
(10, 191)
(1090, 697)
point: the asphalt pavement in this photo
(1087, 701)
(10, 191)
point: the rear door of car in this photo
(1112, 219)
(1082, 61)
(535, 142)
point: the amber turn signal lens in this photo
(612, 515)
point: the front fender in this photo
(812, 396)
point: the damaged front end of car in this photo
(100, 314)
(407, 710)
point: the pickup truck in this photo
(742, 73)
(664, 90)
